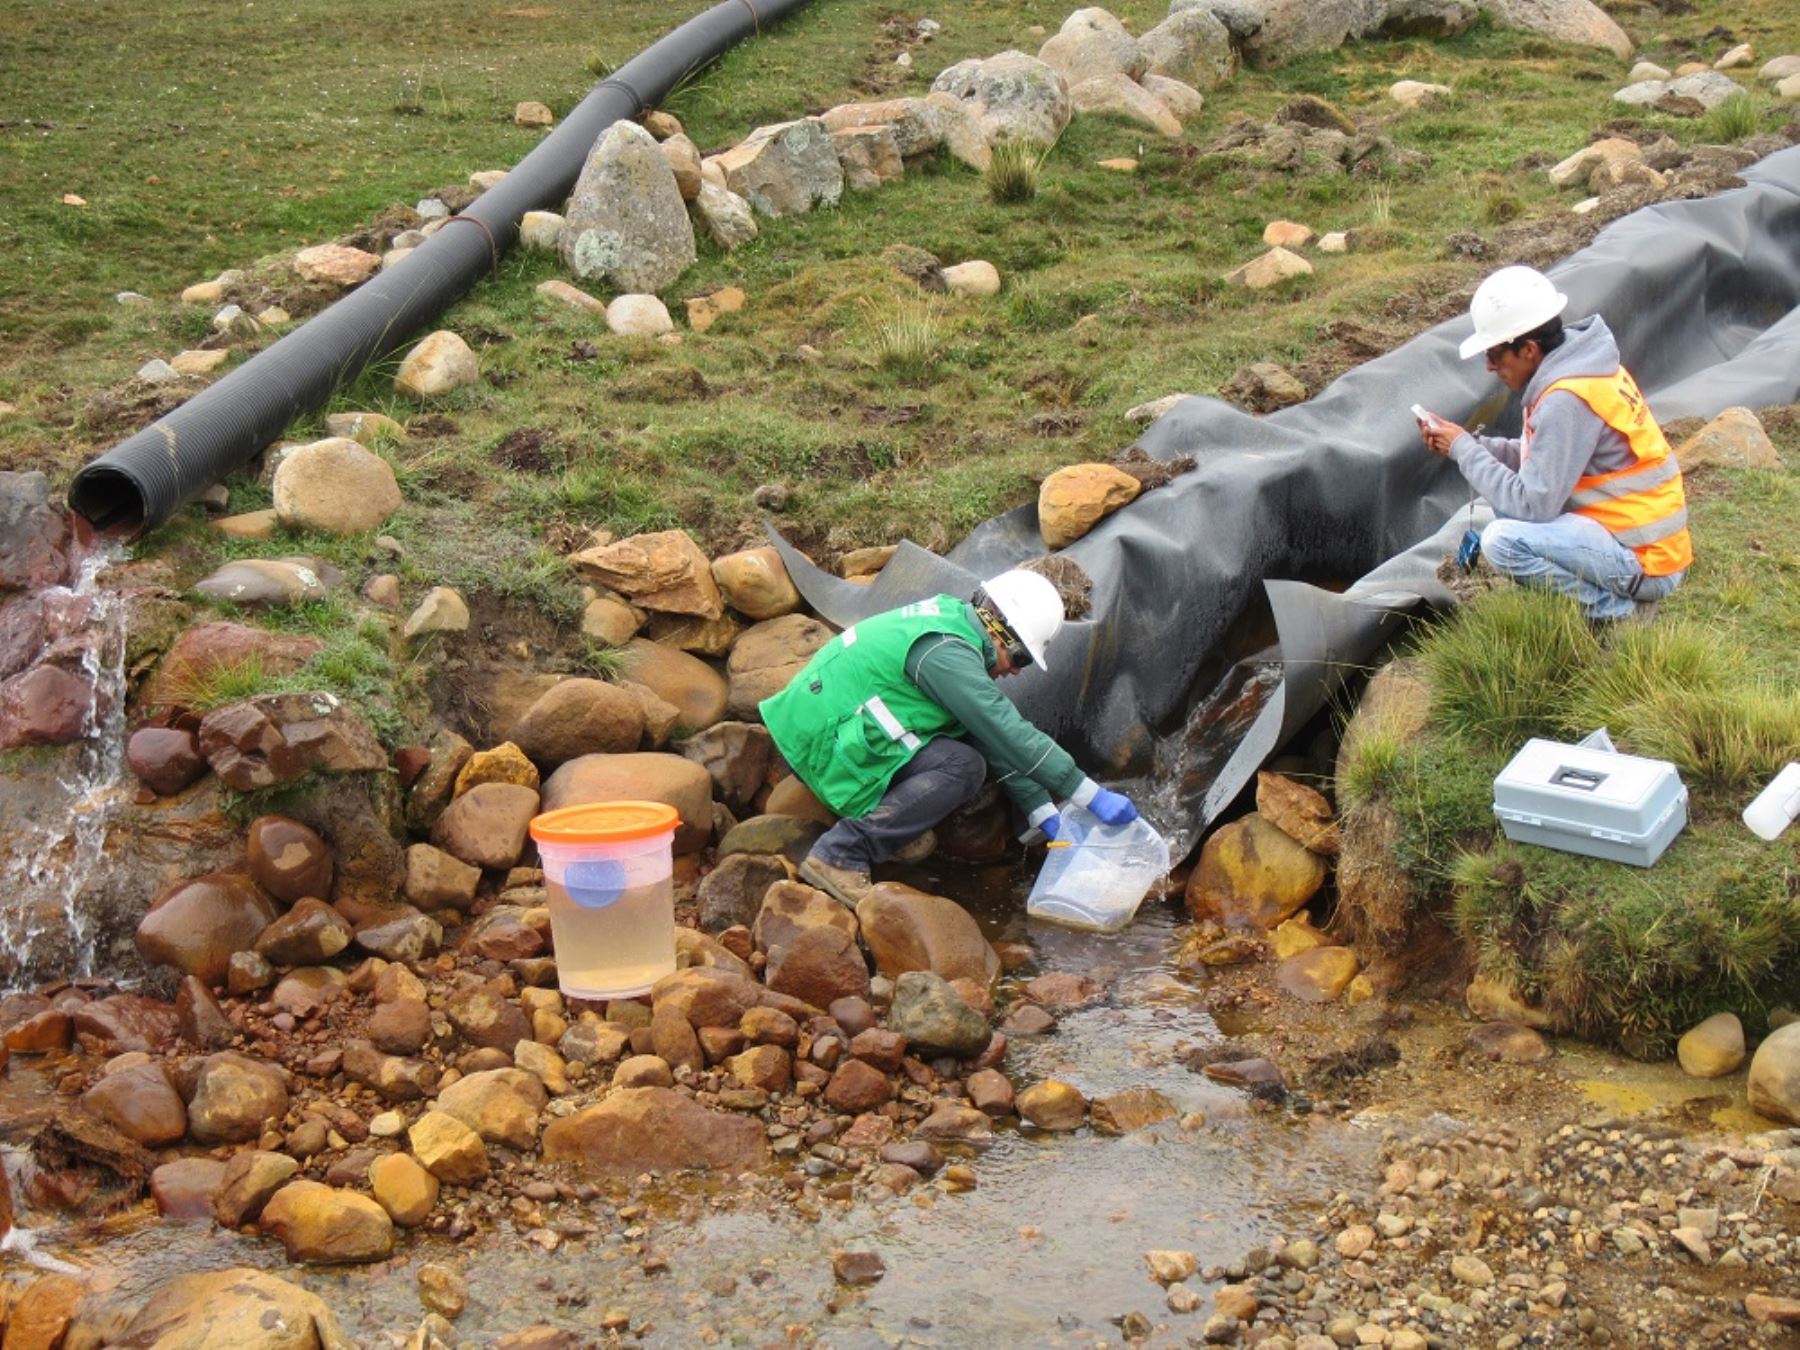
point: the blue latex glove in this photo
(1113, 808)
(1049, 826)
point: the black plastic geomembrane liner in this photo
(1702, 296)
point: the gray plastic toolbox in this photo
(1585, 800)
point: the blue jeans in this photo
(944, 775)
(1576, 557)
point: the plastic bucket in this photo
(1095, 876)
(612, 902)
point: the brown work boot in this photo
(842, 884)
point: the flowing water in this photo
(44, 930)
(1044, 1251)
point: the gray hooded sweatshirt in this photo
(1568, 440)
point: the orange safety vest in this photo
(1642, 504)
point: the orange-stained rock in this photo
(1252, 875)
(639, 1128)
(907, 929)
(1072, 501)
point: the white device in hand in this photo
(1426, 417)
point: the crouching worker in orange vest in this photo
(895, 723)
(1589, 500)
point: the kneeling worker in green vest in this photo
(895, 722)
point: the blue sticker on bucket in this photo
(596, 884)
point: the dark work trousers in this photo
(941, 777)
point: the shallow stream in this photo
(1046, 1250)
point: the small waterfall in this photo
(44, 931)
(1187, 760)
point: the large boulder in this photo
(316, 1222)
(1121, 96)
(487, 825)
(1010, 96)
(1192, 46)
(272, 739)
(140, 1103)
(309, 934)
(33, 532)
(1073, 500)
(767, 656)
(737, 756)
(821, 964)
(196, 925)
(626, 223)
(915, 123)
(870, 157)
(334, 486)
(790, 908)
(756, 584)
(786, 168)
(1735, 439)
(234, 1097)
(644, 776)
(639, 1128)
(237, 1309)
(731, 895)
(1090, 44)
(500, 1105)
(928, 1012)
(1577, 22)
(287, 859)
(1713, 1048)
(664, 571)
(578, 717)
(440, 363)
(907, 930)
(698, 693)
(1774, 1088)
(729, 220)
(1252, 876)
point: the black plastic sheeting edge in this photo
(141, 482)
(1282, 510)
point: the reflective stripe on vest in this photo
(1643, 504)
(878, 709)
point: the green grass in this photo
(1634, 956)
(1733, 120)
(1012, 175)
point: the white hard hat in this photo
(1509, 305)
(1031, 606)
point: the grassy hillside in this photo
(219, 137)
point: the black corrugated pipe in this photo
(142, 481)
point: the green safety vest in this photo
(851, 719)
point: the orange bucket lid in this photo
(604, 823)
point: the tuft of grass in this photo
(1370, 765)
(1498, 206)
(1503, 670)
(1732, 120)
(1012, 174)
(910, 340)
(203, 690)
(1727, 740)
(605, 663)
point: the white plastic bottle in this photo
(1777, 805)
